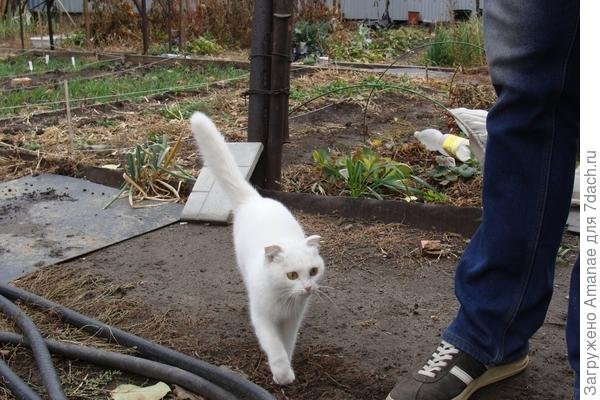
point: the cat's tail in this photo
(217, 156)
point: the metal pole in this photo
(260, 82)
(280, 81)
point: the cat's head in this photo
(296, 267)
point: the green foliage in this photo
(204, 45)
(341, 88)
(74, 39)
(457, 54)
(445, 175)
(367, 174)
(433, 196)
(183, 110)
(366, 45)
(151, 172)
(314, 34)
(128, 87)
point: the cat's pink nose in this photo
(307, 288)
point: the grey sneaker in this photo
(451, 374)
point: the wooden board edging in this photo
(436, 217)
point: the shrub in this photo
(457, 54)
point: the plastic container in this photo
(448, 145)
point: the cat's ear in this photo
(313, 241)
(271, 252)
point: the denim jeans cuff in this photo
(465, 346)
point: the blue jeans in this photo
(504, 279)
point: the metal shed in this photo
(71, 6)
(430, 10)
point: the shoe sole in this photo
(492, 375)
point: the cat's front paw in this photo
(283, 374)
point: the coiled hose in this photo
(38, 348)
(229, 381)
(136, 365)
(19, 388)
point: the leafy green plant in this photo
(370, 46)
(457, 44)
(313, 34)
(204, 45)
(183, 110)
(151, 173)
(445, 175)
(74, 39)
(367, 174)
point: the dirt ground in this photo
(382, 317)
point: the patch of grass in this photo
(204, 45)
(109, 88)
(183, 110)
(366, 45)
(457, 54)
(344, 89)
(365, 173)
(19, 65)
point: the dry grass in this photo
(93, 296)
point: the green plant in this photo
(457, 44)
(183, 110)
(74, 39)
(445, 175)
(204, 45)
(313, 34)
(371, 46)
(433, 196)
(366, 174)
(151, 173)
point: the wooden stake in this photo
(69, 122)
(86, 21)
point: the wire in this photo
(140, 93)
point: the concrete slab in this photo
(48, 218)
(208, 202)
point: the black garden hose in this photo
(127, 363)
(38, 348)
(19, 388)
(229, 381)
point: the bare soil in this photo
(381, 318)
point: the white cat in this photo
(280, 267)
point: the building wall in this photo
(72, 6)
(430, 10)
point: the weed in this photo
(366, 174)
(445, 175)
(466, 49)
(204, 45)
(152, 173)
(370, 46)
(183, 110)
(32, 145)
(312, 34)
(107, 122)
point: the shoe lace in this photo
(438, 359)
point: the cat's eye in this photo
(292, 275)
(313, 271)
